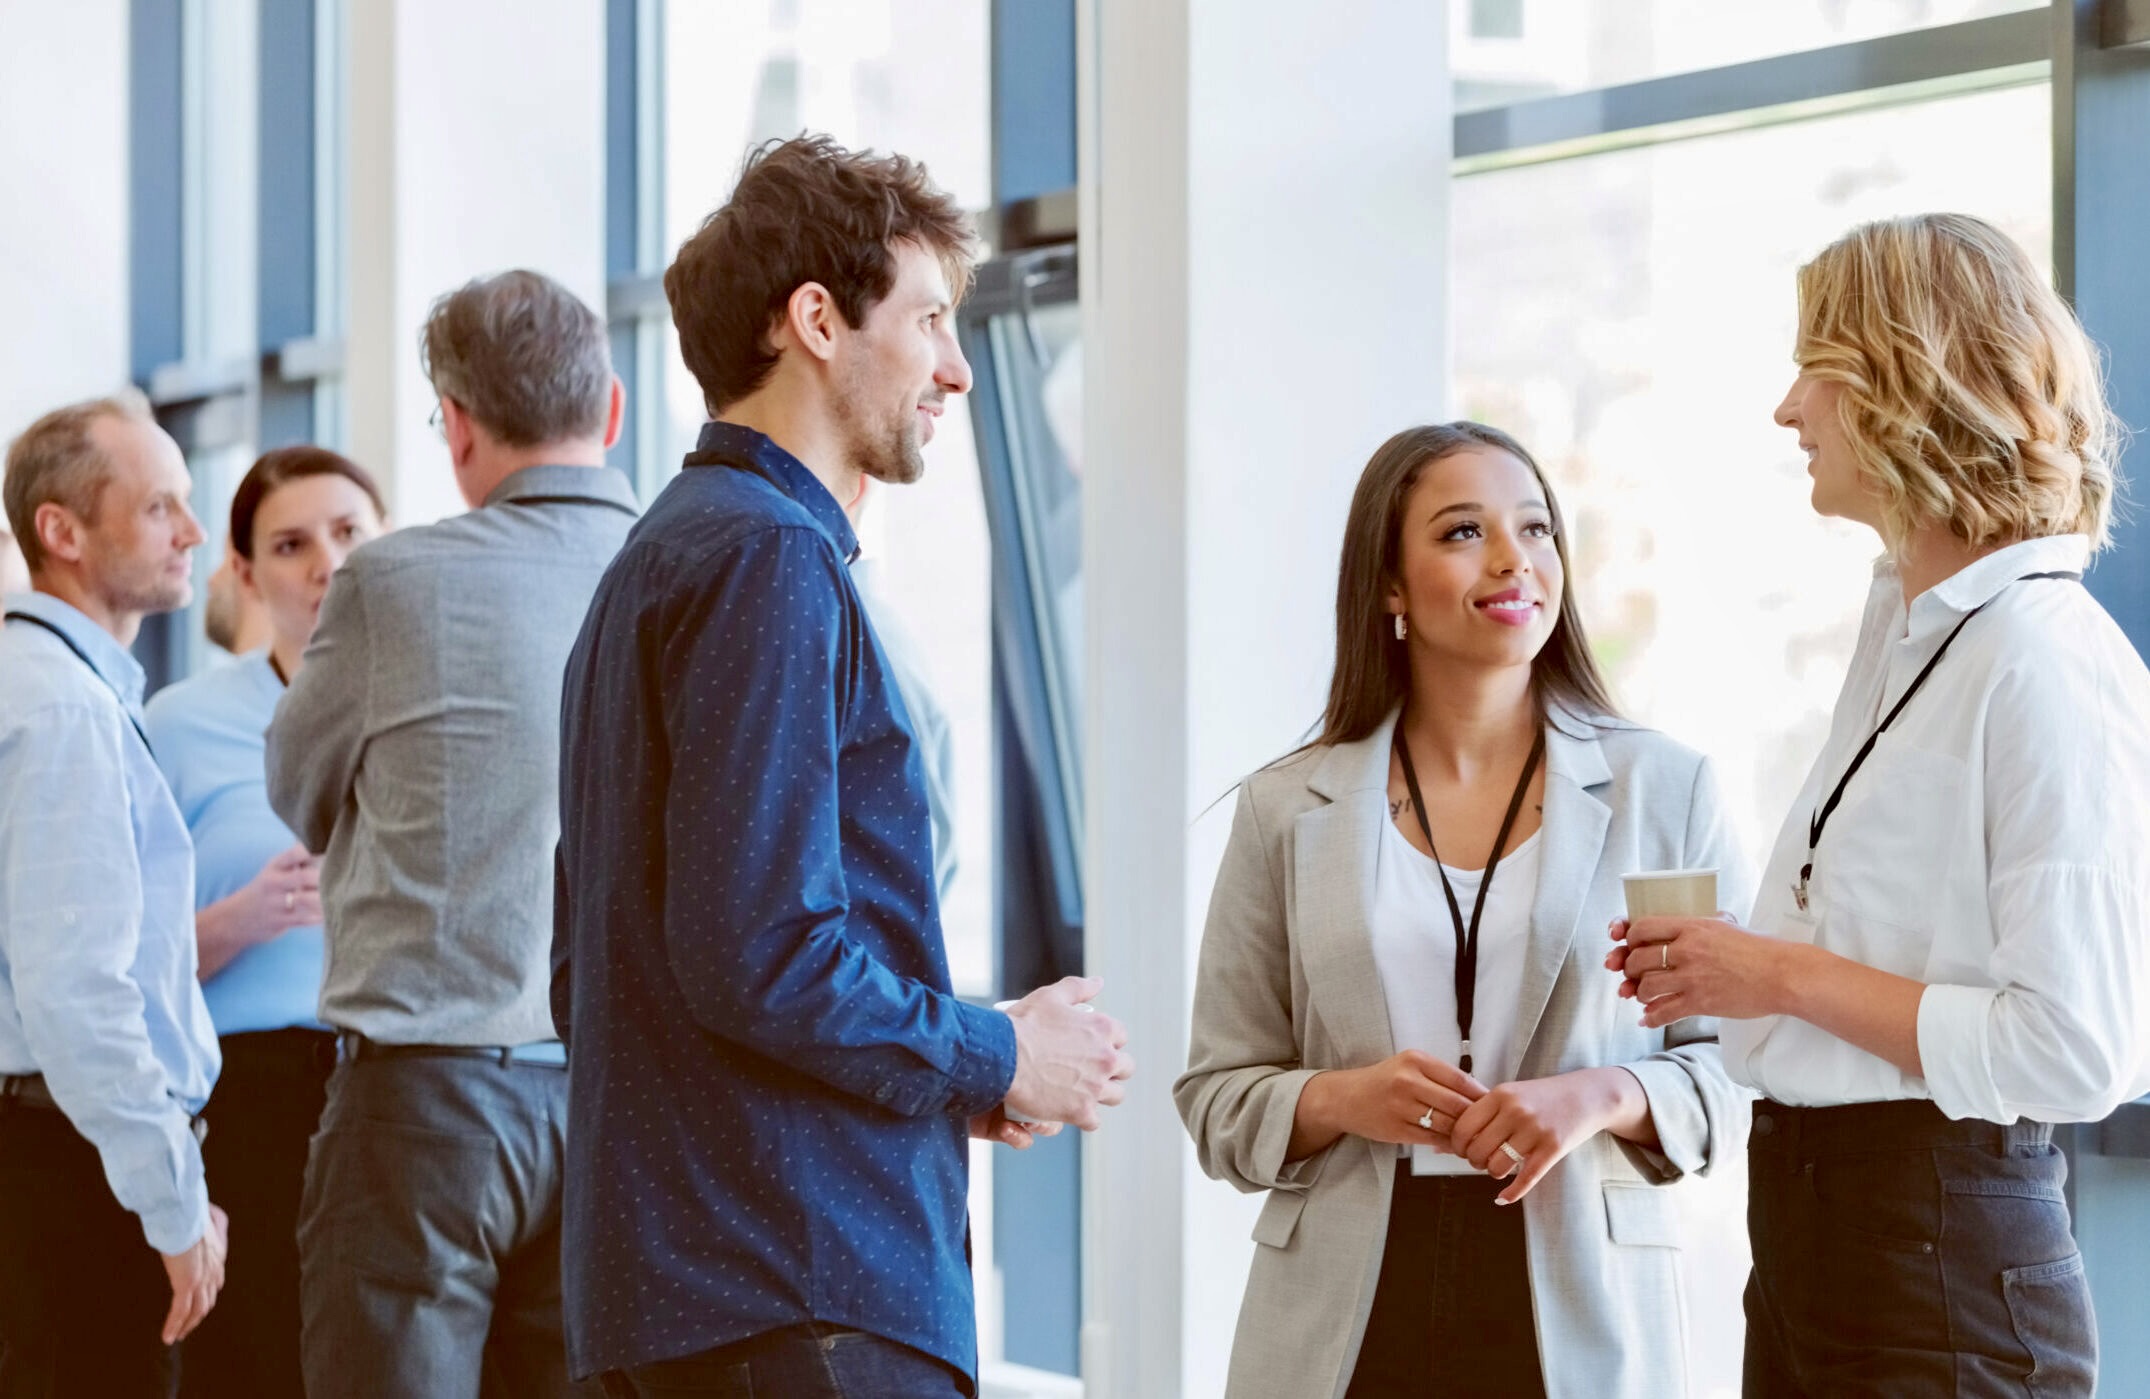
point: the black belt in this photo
(32, 1092)
(351, 1045)
(1912, 1124)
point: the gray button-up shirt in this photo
(419, 748)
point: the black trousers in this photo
(1452, 1311)
(1899, 1254)
(264, 1111)
(83, 1296)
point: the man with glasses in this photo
(418, 748)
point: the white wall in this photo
(63, 204)
(1264, 284)
(477, 145)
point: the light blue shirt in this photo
(209, 735)
(97, 961)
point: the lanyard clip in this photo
(1799, 890)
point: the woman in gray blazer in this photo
(1397, 1044)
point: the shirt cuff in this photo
(1953, 1051)
(176, 1223)
(984, 1069)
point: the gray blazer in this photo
(419, 748)
(1288, 987)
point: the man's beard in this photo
(888, 451)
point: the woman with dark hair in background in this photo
(1396, 1044)
(295, 517)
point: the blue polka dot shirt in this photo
(770, 1076)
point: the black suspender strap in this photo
(83, 656)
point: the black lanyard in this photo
(83, 656)
(1820, 820)
(1467, 938)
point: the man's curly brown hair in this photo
(805, 210)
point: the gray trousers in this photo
(429, 1235)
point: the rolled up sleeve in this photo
(1240, 1093)
(2061, 1037)
(1696, 1108)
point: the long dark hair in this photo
(1373, 674)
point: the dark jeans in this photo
(798, 1362)
(1897, 1253)
(1452, 1311)
(429, 1237)
(266, 1106)
(82, 1296)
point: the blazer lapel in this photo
(1337, 848)
(1572, 839)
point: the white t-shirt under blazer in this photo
(1414, 939)
(1996, 845)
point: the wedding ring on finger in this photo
(1664, 956)
(1513, 1154)
(291, 901)
(1425, 1119)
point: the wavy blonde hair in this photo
(1971, 395)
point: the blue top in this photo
(97, 965)
(208, 734)
(770, 1076)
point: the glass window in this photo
(893, 75)
(1037, 354)
(1629, 316)
(1506, 51)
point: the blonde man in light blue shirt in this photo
(110, 1252)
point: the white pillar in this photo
(1264, 189)
(63, 205)
(477, 144)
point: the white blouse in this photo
(1995, 845)
(1414, 940)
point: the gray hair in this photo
(54, 462)
(522, 355)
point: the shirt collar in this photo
(107, 657)
(1977, 584)
(732, 444)
(600, 485)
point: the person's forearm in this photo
(1623, 1106)
(1314, 1122)
(1876, 1011)
(220, 934)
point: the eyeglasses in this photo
(434, 422)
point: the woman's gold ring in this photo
(1664, 957)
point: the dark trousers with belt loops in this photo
(429, 1233)
(1899, 1254)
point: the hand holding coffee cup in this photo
(1657, 894)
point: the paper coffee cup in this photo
(1671, 894)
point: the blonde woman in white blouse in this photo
(1952, 938)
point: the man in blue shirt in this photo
(771, 1082)
(106, 1051)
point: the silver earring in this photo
(1401, 629)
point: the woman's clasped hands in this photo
(1519, 1130)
